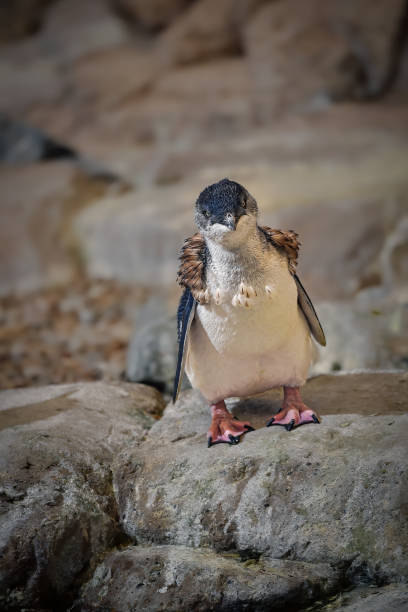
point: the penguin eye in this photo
(244, 203)
(206, 213)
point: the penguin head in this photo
(224, 210)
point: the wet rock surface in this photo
(58, 512)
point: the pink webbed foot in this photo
(294, 412)
(225, 427)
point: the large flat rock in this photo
(57, 510)
(329, 493)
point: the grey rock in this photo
(362, 338)
(393, 597)
(21, 143)
(116, 234)
(357, 239)
(183, 579)
(38, 70)
(152, 353)
(57, 508)
(330, 493)
(37, 200)
(284, 42)
(30, 256)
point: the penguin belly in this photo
(236, 351)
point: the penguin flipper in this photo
(308, 310)
(185, 315)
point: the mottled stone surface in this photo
(331, 493)
(393, 597)
(57, 510)
(177, 578)
(281, 521)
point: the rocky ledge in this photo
(105, 508)
(57, 510)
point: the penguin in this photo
(245, 322)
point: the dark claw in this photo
(249, 428)
(233, 439)
(209, 442)
(269, 423)
(290, 425)
(315, 419)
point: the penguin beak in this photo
(229, 221)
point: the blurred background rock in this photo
(115, 114)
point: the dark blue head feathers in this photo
(224, 202)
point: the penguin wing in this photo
(193, 261)
(308, 310)
(185, 315)
(288, 243)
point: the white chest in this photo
(251, 335)
(252, 302)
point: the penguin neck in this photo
(232, 262)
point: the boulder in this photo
(373, 34)
(151, 14)
(370, 337)
(303, 57)
(36, 250)
(177, 578)
(58, 512)
(207, 29)
(329, 493)
(25, 237)
(152, 353)
(117, 233)
(37, 71)
(131, 72)
(356, 237)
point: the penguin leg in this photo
(224, 426)
(294, 412)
